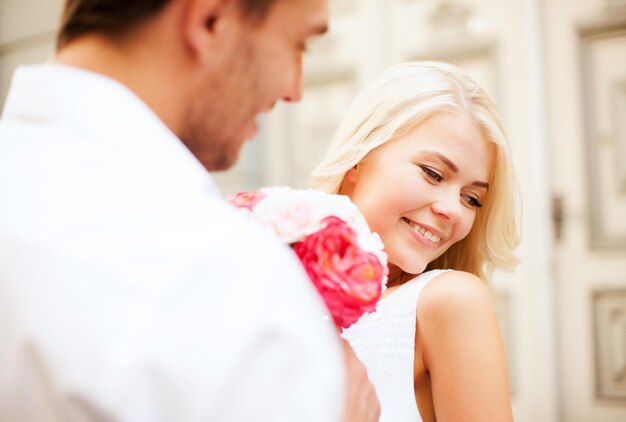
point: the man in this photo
(129, 291)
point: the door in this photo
(586, 87)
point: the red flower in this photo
(347, 277)
(342, 257)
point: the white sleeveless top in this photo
(385, 342)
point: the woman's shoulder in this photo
(459, 342)
(454, 295)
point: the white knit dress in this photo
(385, 343)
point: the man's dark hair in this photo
(117, 17)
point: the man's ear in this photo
(206, 24)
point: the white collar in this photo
(97, 107)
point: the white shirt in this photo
(129, 290)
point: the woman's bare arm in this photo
(463, 350)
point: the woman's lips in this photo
(424, 234)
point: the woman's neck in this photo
(397, 276)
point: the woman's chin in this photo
(407, 266)
(414, 264)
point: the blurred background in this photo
(557, 70)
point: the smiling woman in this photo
(401, 101)
(421, 191)
(422, 154)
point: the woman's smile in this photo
(432, 239)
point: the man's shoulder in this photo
(229, 227)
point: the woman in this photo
(421, 152)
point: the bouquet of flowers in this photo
(343, 258)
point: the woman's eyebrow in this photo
(445, 160)
(480, 184)
(455, 169)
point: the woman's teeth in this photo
(428, 235)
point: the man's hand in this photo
(361, 402)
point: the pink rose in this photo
(348, 278)
(245, 199)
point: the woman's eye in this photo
(431, 174)
(472, 201)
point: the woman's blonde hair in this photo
(391, 107)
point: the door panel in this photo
(586, 82)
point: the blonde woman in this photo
(422, 153)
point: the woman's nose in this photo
(449, 206)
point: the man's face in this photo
(263, 64)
